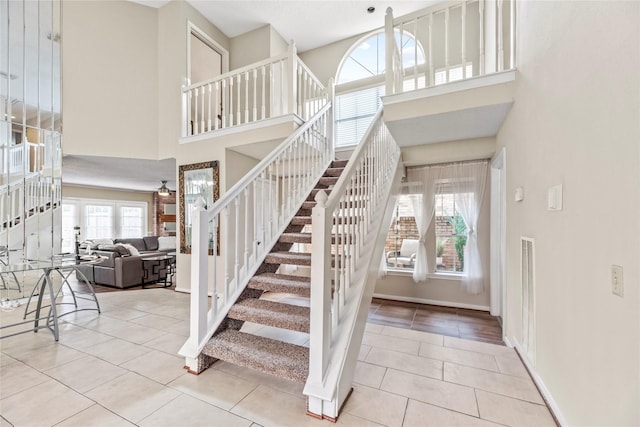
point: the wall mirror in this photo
(197, 180)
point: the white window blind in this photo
(354, 113)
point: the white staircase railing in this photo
(431, 46)
(271, 88)
(346, 227)
(248, 219)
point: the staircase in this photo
(285, 360)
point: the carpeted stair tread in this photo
(273, 357)
(271, 313)
(333, 172)
(339, 163)
(301, 220)
(284, 257)
(328, 180)
(295, 238)
(281, 283)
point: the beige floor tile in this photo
(405, 362)
(272, 408)
(462, 357)
(117, 351)
(181, 328)
(215, 387)
(96, 322)
(189, 411)
(421, 414)
(94, 372)
(391, 343)
(479, 347)
(155, 321)
(374, 329)
(513, 412)
(82, 338)
(364, 350)
(48, 404)
(95, 415)
(368, 374)
(136, 333)
(123, 313)
(132, 396)
(5, 359)
(376, 405)
(428, 390)
(511, 365)
(158, 366)
(19, 344)
(50, 356)
(413, 335)
(348, 420)
(168, 343)
(17, 377)
(506, 385)
(257, 378)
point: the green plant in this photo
(440, 244)
(460, 229)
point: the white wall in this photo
(576, 122)
(110, 79)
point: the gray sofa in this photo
(120, 268)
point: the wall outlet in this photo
(617, 280)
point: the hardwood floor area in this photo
(454, 322)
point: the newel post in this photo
(199, 274)
(389, 42)
(292, 73)
(320, 326)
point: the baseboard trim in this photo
(432, 302)
(542, 388)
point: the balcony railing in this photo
(449, 42)
(275, 87)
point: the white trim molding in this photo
(542, 388)
(431, 302)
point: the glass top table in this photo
(45, 285)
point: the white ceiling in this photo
(309, 23)
(118, 173)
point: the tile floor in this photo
(121, 368)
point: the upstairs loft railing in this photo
(248, 220)
(28, 156)
(275, 87)
(345, 229)
(26, 197)
(453, 41)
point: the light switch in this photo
(554, 198)
(617, 280)
(519, 194)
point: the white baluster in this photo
(216, 121)
(255, 93)
(500, 38)
(224, 103)
(246, 97)
(264, 102)
(463, 17)
(210, 115)
(230, 101)
(481, 38)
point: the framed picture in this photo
(197, 180)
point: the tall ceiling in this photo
(309, 23)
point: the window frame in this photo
(116, 219)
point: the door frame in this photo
(204, 37)
(498, 239)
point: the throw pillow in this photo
(166, 243)
(119, 249)
(132, 249)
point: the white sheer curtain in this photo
(423, 208)
(468, 183)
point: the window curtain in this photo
(469, 180)
(423, 201)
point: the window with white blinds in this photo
(354, 113)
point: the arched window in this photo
(363, 68)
